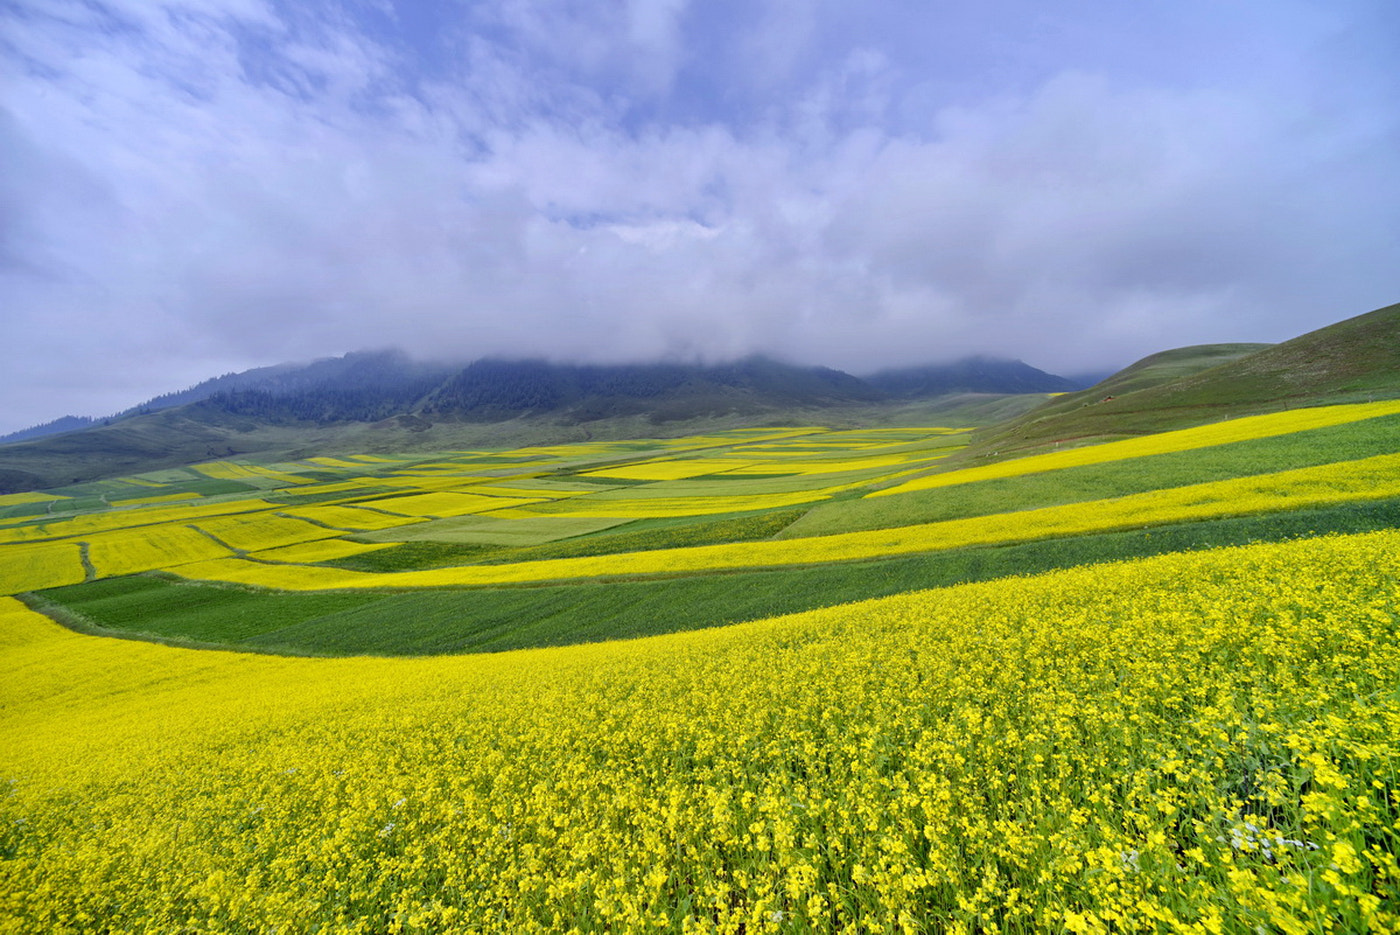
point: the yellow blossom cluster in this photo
(1204, 742)
(40, 565)
(148, 548)
(14, 499)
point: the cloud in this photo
(196, 187)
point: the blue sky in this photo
(199, 186)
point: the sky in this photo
(194, 187)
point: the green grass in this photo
(491, 619)
(1099, 481)
(23, 511)
(80, 505)
(415, 556)
(596, 481)
(206, 613)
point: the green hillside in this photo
(1353, 360)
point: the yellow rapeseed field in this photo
(321, 550)
(697, 505)
(124, 518)
(348, 517)
(228, 470)
(14, 499)
(265, 530)
(147, 548)
(445, 503)
(1204, 742)
(32, 566)
(672, 469)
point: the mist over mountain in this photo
(972, 375)
(370, 386)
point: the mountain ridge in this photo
(384, 402)
(374, 385)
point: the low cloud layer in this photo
(195, 186)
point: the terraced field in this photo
(1209, 621)
(472, 526)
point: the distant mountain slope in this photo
(361, 387)
(973, 375)
(385, 401)
(495, 389)
(369, 373)
(57, 426)
(1352, 360)
(369, 386)
(1151, 371)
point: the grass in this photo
(291, 496)
(23, 511)
(493, 619)
(154, 606)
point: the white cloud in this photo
(218, 187)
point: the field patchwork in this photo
(1369, 479)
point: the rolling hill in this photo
(1355, 360)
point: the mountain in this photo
(363, 385)
(1351, 361)
(56, 427)
(360, 387)
(495, 389)
(973, 375)
(370, 386)
(386, 402)
(383, 401)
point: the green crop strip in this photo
(491, 619)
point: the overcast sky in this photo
(199, 186)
